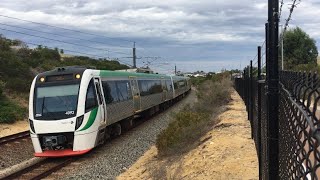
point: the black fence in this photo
(299, 130)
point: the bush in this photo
(10, 112)
(191, 123)
(1, 88)
(187, 126)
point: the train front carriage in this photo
(66, 112)
(72, 109)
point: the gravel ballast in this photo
(115, 157)
(15, 152)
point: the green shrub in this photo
(192, 122)
(186, 127)
(10, 112)
(1, 88)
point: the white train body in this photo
(72, 110)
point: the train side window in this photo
(122, 90)
(114, 92)
(99, 93)
(107, 92)
(91, 99)
(175, 85)
(169, 85)
(144, 87)
(129, 90)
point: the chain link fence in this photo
(299, 136)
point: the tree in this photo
(299, 48)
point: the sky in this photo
(207, 35)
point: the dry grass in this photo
(192, 122)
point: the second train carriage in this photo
(72, 110)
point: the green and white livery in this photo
(74, 109)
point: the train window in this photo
(175, 85)
(99, 92)
(122, 87)
(169, 85)
(129, 90)
(91, 100)
(181, 83)
(155, 87)
(110, 91)
(107, 92)
(144, 87)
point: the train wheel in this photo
(127, 124)
(116, 130)
(107, 135)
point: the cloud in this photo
(204, 30)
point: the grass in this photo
(192, 122)
(10, 111)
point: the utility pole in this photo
(134, 55)
(175, 69)
(273, 92)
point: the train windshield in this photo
(56, 102)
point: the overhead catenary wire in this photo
(75, 44)
(81, 53)
(59, 35)
(68, 29)
(65, 50)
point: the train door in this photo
(164, 89)
(135, 94)
(102, 105)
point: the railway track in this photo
(14, 137)
(41, 169)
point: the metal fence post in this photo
(251, 99)
(248, 92)
(244, 88)
(267, 47)
(259, 113)
(273, 91)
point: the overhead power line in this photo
(65, 50)
(43, 24)
(62, 41)
(87, 54)
(58, 34)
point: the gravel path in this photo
(14, 153)
(116, 156)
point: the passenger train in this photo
(74, 109)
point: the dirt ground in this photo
(18, 126)
(225, 152)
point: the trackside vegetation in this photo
(195, 120)
(19, 64)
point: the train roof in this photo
(103, 73)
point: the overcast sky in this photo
(196, 35)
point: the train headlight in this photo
(79, 122)
(42, 79)
(78, 76)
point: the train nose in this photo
(53, 141)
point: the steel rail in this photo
(14, 137)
